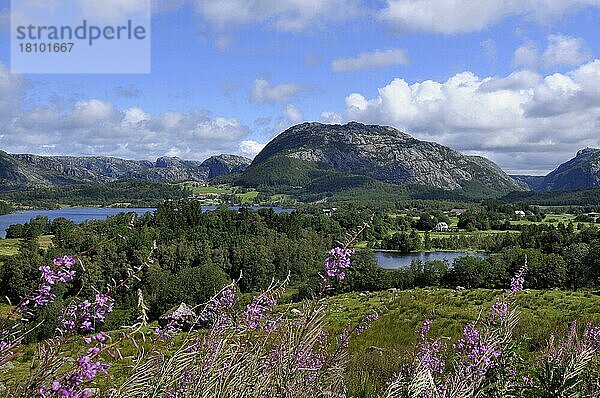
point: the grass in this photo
(198, 189)
(555, 219)
(394, 334)
(380, 351)
(10, 247)
(248, 197)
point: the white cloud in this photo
(460, 16)
(518, 115)
(527, 56)
(223, 42)
(293, 114)
(250, 148)
(521, 80)
(264, 92)
(370, 60)
(97, 127)
(10, 92)
(331, 118)
(285, 15)
(490, 49)
(565, 51)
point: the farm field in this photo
(10, 247)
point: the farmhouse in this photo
(458, 212)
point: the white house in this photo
(520, 213)
(441, 227)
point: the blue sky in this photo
(516, 81)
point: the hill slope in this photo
(310, 151)
(581, 172)
(25, 171)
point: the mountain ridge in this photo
(580, 172)
(23, 171)
(382, 153)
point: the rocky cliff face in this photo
(24, 171)
(225, 164)
(583, 171)
(386, 154)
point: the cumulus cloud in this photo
(461, 16)
(284, 15)
(503, 117)
(264, 92)
(561, 50)
(331, 118)
(293, 114)
(565, 51)
(526, 56)
(98, 127)
(250, 148)
(370, 60)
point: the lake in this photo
(81, 214)
(395, 260)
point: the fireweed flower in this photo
(476, 357)
(256, 312)
(429, 354)
(424, 330)
(498, 311)
(337, 261)
(170, 330)
(592, 336)
(218, 310)
(516, 283)
(87, 314)
(366, 323)
(60, 271)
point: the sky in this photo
(517, 81)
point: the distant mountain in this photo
(535, 183)
(310, 151)
(581, 172)
(26, 171)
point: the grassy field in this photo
(394, 334)
(248, 197)
(10, 247)
(198, 189)
(543, 313)
(555, 219)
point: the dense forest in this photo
(581, 197)
(129, 193)
(5, 208)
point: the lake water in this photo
(395, 260)
(81, 214)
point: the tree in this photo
(425, 223)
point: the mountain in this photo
(535, 183)
(225, 164)
(581, 172)
(312, 151)
(25, 171)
